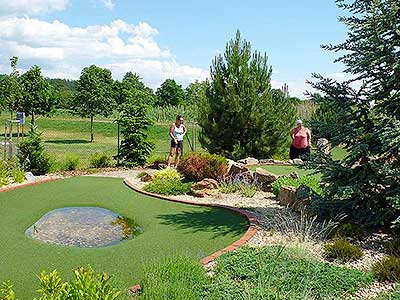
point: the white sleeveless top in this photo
(178, 133)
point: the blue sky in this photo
(169, 39)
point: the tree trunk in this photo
(33, 119)
(91, 128)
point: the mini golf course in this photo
(169, 229)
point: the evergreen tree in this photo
(135, 148)
(170, 93)
(366, 184)
(94, 94)
(241, 115)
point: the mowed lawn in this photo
(170, 230)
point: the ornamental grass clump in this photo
(392, 248)
(342, 250)
(197, 166)
(388, 269)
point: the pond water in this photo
(85, 227)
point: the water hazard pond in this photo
(84, 227)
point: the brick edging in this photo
(251, 219)
(15, 187)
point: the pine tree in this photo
(366, 184)
(135, 148)
(241, 115)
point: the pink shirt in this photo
(300, 140)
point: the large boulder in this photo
(204, 188)
(287, 195)
(235, 168)
(264, 179)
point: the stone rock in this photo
(287, 195)
(207, 183)
(147, 178)
(29, 176)
(277, 162)
(264, 179)
(235, 168)
(298, 161)
(267, 161)
(247, 177)
(303, 198)
(204, 188)
(294, 175)
(323, 144)
(249, 161)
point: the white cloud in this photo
(108, 3)
(62, 50)
(31, 7)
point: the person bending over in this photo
(301, 141)
(176, 131)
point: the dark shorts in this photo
(298, 152)
(178, 144)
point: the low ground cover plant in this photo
(253, 273)
(197, 166)
(169, 187)
(309, 181)
(387, 269)
(341, 249)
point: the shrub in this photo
(18, 175)
(167, 174)
(11, 168)
(71, 162)
(388, 269)
(197, 166)
(309, 181)
(342, 250)
(6, 291)
(98, 160)
(168, 187)
(31, 154)
(141, 174)
(348, 230)
(393, 248)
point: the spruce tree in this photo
(241, 115)
(135, 148)
(366, 184)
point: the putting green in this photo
(170, 229)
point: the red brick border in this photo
(15, 187)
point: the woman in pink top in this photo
(301, 141)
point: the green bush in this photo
(246, 190)
(309, 181)
(10, 168)
(31, 154)
(178, 279)
(342, 250)
(388, 269)
(86, 284)
(348, 230)
(18, 175)
(168, 187)
(392, 248)
(141, 174)
(167, 174)
(98, 160)
(197, 166)
(71, 162)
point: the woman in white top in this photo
(176, 131)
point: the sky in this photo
(177, 39)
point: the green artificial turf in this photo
(170, 229)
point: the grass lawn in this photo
(170, 229)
